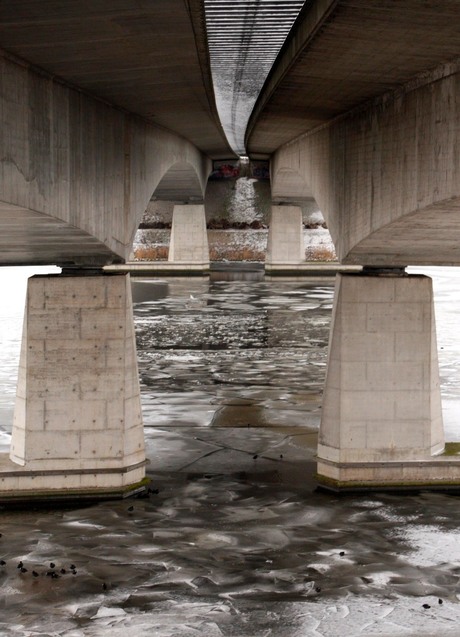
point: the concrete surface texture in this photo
(146, 58)
(93, 131)
(343, 53)
(285, 238)
(385, 177)
(78, 174)
(371, 133)
(189, 239)
(382, 399)
(77, 421)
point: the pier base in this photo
(382, 422)
(77, 429)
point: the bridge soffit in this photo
(182, 182)
(384, 163)
(83, 162)
(344, 55)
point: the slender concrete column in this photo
(285, 237)
(77, 424)
(382, 421)
(189, 238)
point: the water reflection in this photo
(264, 346)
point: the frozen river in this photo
(237, 541)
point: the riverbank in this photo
(248, 245)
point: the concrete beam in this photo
(386, 176)
(76, 174)
(147, 58)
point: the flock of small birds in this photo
(54, 571)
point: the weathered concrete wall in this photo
(382, 398)
(386, 176)
(189, 239)
(285, 238)
(77, 174)
(78, 400)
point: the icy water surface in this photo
(233, 353)
(233, 539)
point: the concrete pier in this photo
(285, 245)
(382, 422)
(189, 238)
(77, 428)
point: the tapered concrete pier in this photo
(285, 245)
(77, 428)
(189, 238)
(382, 422)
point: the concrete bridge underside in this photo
(342, 54)
(360, 113)
(77, 173)
(146, 58)
(386, 176)
(102, 108)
